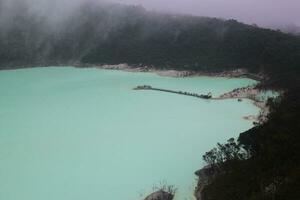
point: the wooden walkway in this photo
(147, 87)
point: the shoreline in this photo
(168, 72)
(250, 92)
(238, 73)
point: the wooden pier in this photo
(202, 96)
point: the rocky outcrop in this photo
(252, 93)
(249, 92)
(160, 195)
(206, 175)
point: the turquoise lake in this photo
(76, 134)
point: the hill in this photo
(114, 33)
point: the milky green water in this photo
(77, 134)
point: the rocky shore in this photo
(206, 175)
(177, 73)
(249, 92)
(160, 195)
(252, 93)
(237, 73)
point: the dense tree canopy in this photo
(113, 34)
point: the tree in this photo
(225, 152)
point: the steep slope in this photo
(113, 33)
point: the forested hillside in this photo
(265, 162)
(114, 33)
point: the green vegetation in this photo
(265, 162)
(219, 157)
(269, 165)
(113, 34)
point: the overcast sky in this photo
(262, 12)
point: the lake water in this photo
(76, 134)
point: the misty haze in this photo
(149, 100)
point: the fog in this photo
(261, 12)
(67, 32)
